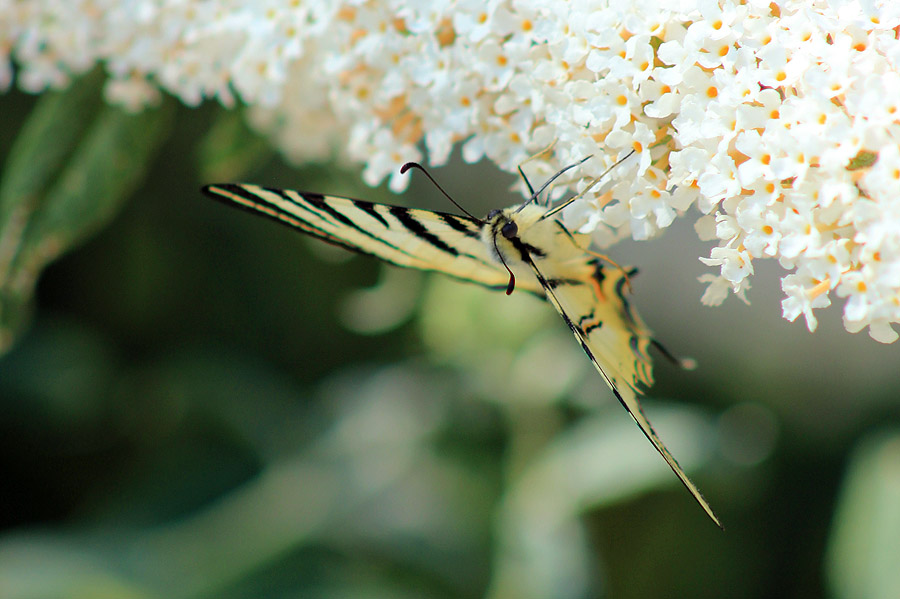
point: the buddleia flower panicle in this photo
(777, 120)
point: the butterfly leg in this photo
(529, 159)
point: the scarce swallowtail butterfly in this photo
(525, 247)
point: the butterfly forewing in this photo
(407, 237)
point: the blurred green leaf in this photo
(230, 149)
(51, 566)
(108, 164)
(46, 217)
(864, 552)
(46, 139)
(542, 547)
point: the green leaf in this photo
(44, 215)
(38, 566)
(47, 138)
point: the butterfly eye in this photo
(509, 230)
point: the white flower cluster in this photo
(777, 119)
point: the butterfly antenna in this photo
(535, 194)
(416, 165)
(562, 206)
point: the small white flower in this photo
(762, 229)
(473, 18)
(759, 158)
(802, 296)
(719, 288)
(736, 265)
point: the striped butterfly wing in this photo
(616, 341)
(407, 237)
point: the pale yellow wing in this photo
(614, 338)
(407, 237)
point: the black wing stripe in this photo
(311, 203)
(589, 323)
(369, 208)
(460, 225)
(309, 196)
(526, 250)
(415, 227)
(325, 210)
(593, 327)
(554, 283)
(317, 205)
(245, 199)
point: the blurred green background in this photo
(198, 403)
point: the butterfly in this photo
(525, 247)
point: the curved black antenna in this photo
(511, 286)
(549, 181)
(410, 165)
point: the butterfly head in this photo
(502, 231)
(510, 233)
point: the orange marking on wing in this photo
(598, 290)
(586, 326)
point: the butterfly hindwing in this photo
(592, 302)
(605, 348)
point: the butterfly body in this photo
(529, 243)
(585, 293)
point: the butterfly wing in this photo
(406, 237)
(616, 341)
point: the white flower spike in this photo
(780, 118)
